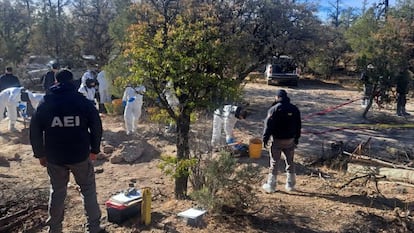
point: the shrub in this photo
(226, 184)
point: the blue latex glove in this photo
(231, 140)
(132, 99)
(124, 103)
(239, 147)
(21, 107)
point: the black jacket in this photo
(283, 121)
(48, 80)
(403, 82)
(66, 126)
(8, 80)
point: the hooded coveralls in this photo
(133, 99)
(103, 88)
(88, 91)
(173, 102)
(11, 98)
(224, 118)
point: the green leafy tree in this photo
(15, 25)
(185, 49)
(205, 49)
(92, 18)
(52, 31)
(331, 54)
(284, 28)
(116, 70)
(387, 45)
(404, 9)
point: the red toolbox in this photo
(122, 207)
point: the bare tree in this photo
(49, 30)
(335, 13)
(92, 18)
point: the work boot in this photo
(290, 181)
(270, 185)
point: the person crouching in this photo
(226, 118)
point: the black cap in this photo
(64, 76)
(281, 93)
(55, 66)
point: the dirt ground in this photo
(326, 199)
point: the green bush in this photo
(225, 183)
(320, 66)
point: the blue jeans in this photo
(84, 175)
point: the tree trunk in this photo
(393, 174)
(183, 152)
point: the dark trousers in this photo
(401, 101)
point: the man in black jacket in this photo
(9, 80)
(283, 124)
(403, 83)
(65, 134)
(49, 78)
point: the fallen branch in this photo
(396, 182)
(393, 174)
(367, 176)
(9, 222)
(377, 161)
(361, 147)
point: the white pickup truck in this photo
(282, 71)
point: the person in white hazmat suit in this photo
(103, 90)
(88, 85)
(226, 118)
(16, 97)
(173, 101)
(132, 100)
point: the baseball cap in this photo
(55, 66)
(281, 93)
(64, 76)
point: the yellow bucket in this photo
(255, 148)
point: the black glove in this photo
(265, 142)
(296, 141)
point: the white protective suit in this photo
(10, 99)
(103, 88)
(88, 92)
(133, 100)
(173, 101)
(170, 96)
(224, 118)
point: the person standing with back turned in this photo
(8, 79)
(403, 82)
(49, 78)
(65, 134)
(283, 124)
